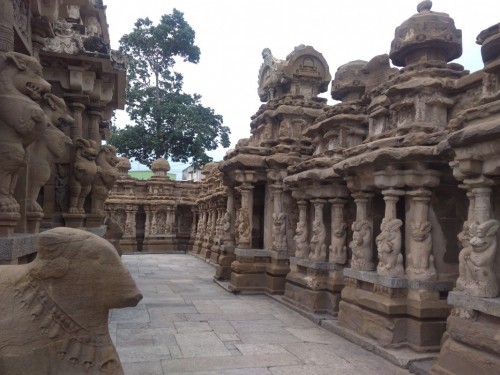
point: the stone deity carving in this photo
(104, 181)
(244, 227)
(318, 246)
(84, 172)
(21, 118)
(389, 249)
(67, 40)
(338, 248)
(361, 246)
(279, 231)
(226, 225)
(61, 187)
(300, 238)
(420, 261)
(50, 145)
(464, 238)
(477, 261)
(54, 310)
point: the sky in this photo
(232, 34)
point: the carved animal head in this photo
(482, 235)
(464, 235)
(56, 111)
(22, 74)
(107, 155)
(86, 149)
(420, 230)
(84, 270)
(339, 229)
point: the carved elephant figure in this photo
(49, 146)
(105, 180)
(54, 310)
(83, 174)
(21, 118)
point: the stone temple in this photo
(380, 212)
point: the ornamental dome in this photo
(426, 36)
(160, 167)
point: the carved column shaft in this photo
(229, 235)
(361, 244)
(301, 244)
(129, 229)
(76, 128)
(6, 26)
(94, 119)
(482, 204)
(338, 249)
(318, 238)
(245, 230)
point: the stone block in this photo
(312, 300)
(18, 246)
(387, 332)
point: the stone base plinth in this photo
(223, 269)
(33, 220)
(276, 271)
(215, 251)
(74, 220)
(94, 220)
(196, 246)
(314, 286)
(128, 245)
(471, 343)
(8, 221)
(248, 271)
(396, 312)
(18, 249)
(163, 245)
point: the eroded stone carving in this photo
(318, 246)
(361, 246)
(420, 260)
(21, 118)
(54, 311)
(49, 146)
(103, 183)
(389, 248)
(84, 172)
(300, 238)
(244, 235)
(279, 231)
(478, 260)
(338, 248)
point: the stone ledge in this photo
(403, 357)
(398, 282)
(17, 246)
(252, 252)
(315, 264)
(490, 306)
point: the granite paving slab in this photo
(187, 324)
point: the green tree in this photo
(168, 122)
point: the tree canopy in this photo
(168, 122)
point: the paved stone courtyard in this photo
(187, 324)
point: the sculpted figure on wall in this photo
(49, 146)
(244, 228)
(84, 172)
(420, 261)
(361, 246)
(54, 311)
(226, 226)
(300, 238)
(21, 118)
(389, 248)
(279, 231)
(464, 238)
(477, 262)
(318, 246)
(105, 179)
(338, 248)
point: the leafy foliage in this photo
(168, 122)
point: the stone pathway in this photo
(187, 324)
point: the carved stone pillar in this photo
(389, 241)
(153, 227)
(300, 238)
(318, 235)
(6, 26)
(194, 222)
(338, 248)
(279, 219)
(95, 116)
(170, 220)
(147, 223)
(361, 244)
(419, 258)
(130, 224)
(77, 109)
(245, 219)
(228, 228)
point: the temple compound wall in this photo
(59, 85)
(377, 216)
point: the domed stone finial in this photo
(160, 167)
(424, 6)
